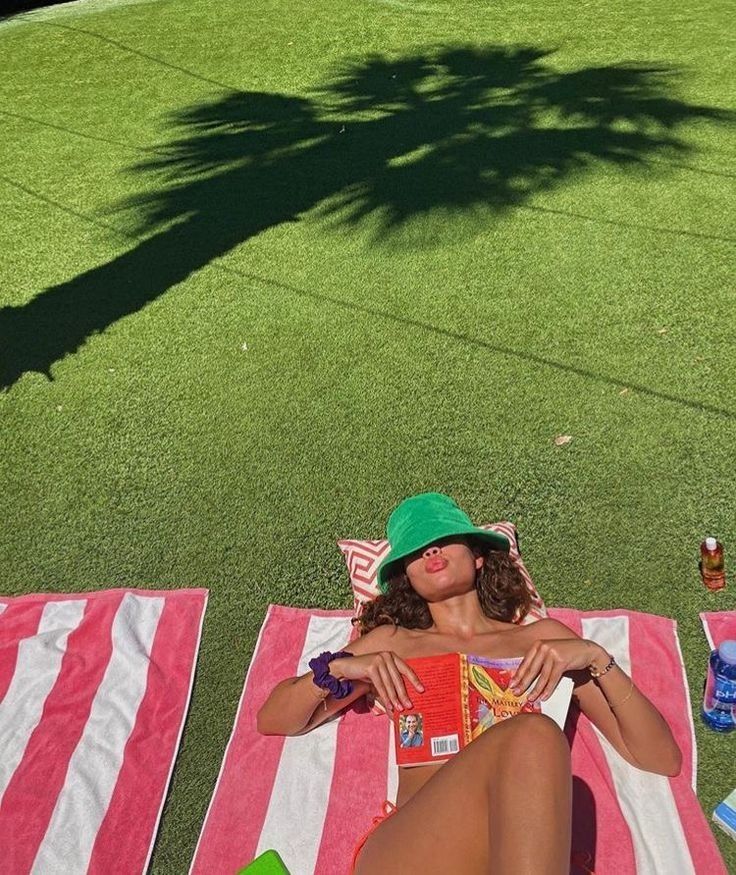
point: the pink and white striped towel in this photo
(313, 796)
(94, 689)
(719, 626)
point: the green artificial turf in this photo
(287, 263)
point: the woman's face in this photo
(444, 568)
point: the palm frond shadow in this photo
(463, 129)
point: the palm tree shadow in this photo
(461, 130)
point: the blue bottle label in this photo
(724, 690)
(719, 698)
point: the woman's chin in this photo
(444, 586)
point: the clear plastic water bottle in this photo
(719, 698)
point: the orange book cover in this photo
(463, 696)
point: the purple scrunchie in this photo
(320, 666)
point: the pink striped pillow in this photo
(364, 557)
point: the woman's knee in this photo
(527, 739)
(534, 725)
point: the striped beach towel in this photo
(719, 626)
(313, 796)
(94, 689)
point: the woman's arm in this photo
(624, 715)
(628, 719)
(296, 705)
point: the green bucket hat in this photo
(422, 519)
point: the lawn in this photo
(268, 267)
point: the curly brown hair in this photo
(502, 592)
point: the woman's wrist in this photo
(323, 677)
(319, 693)
(599, 660)
(336, 667)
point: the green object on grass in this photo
(269, 863)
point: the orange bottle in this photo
(712, 568)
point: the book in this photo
(725, 814)
(463, 696)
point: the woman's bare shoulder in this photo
(384, 637)
(549, 628)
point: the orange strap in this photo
(387, 809)
(581, 859)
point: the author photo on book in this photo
(411, 734)
(503, 802)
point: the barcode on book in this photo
(444, 744)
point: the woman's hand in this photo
(384, 671)
(547, 660)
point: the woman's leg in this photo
(501, 806)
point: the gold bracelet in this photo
(322, 694)
(625, 698)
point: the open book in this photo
(463, 696)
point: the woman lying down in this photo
(450, 587)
